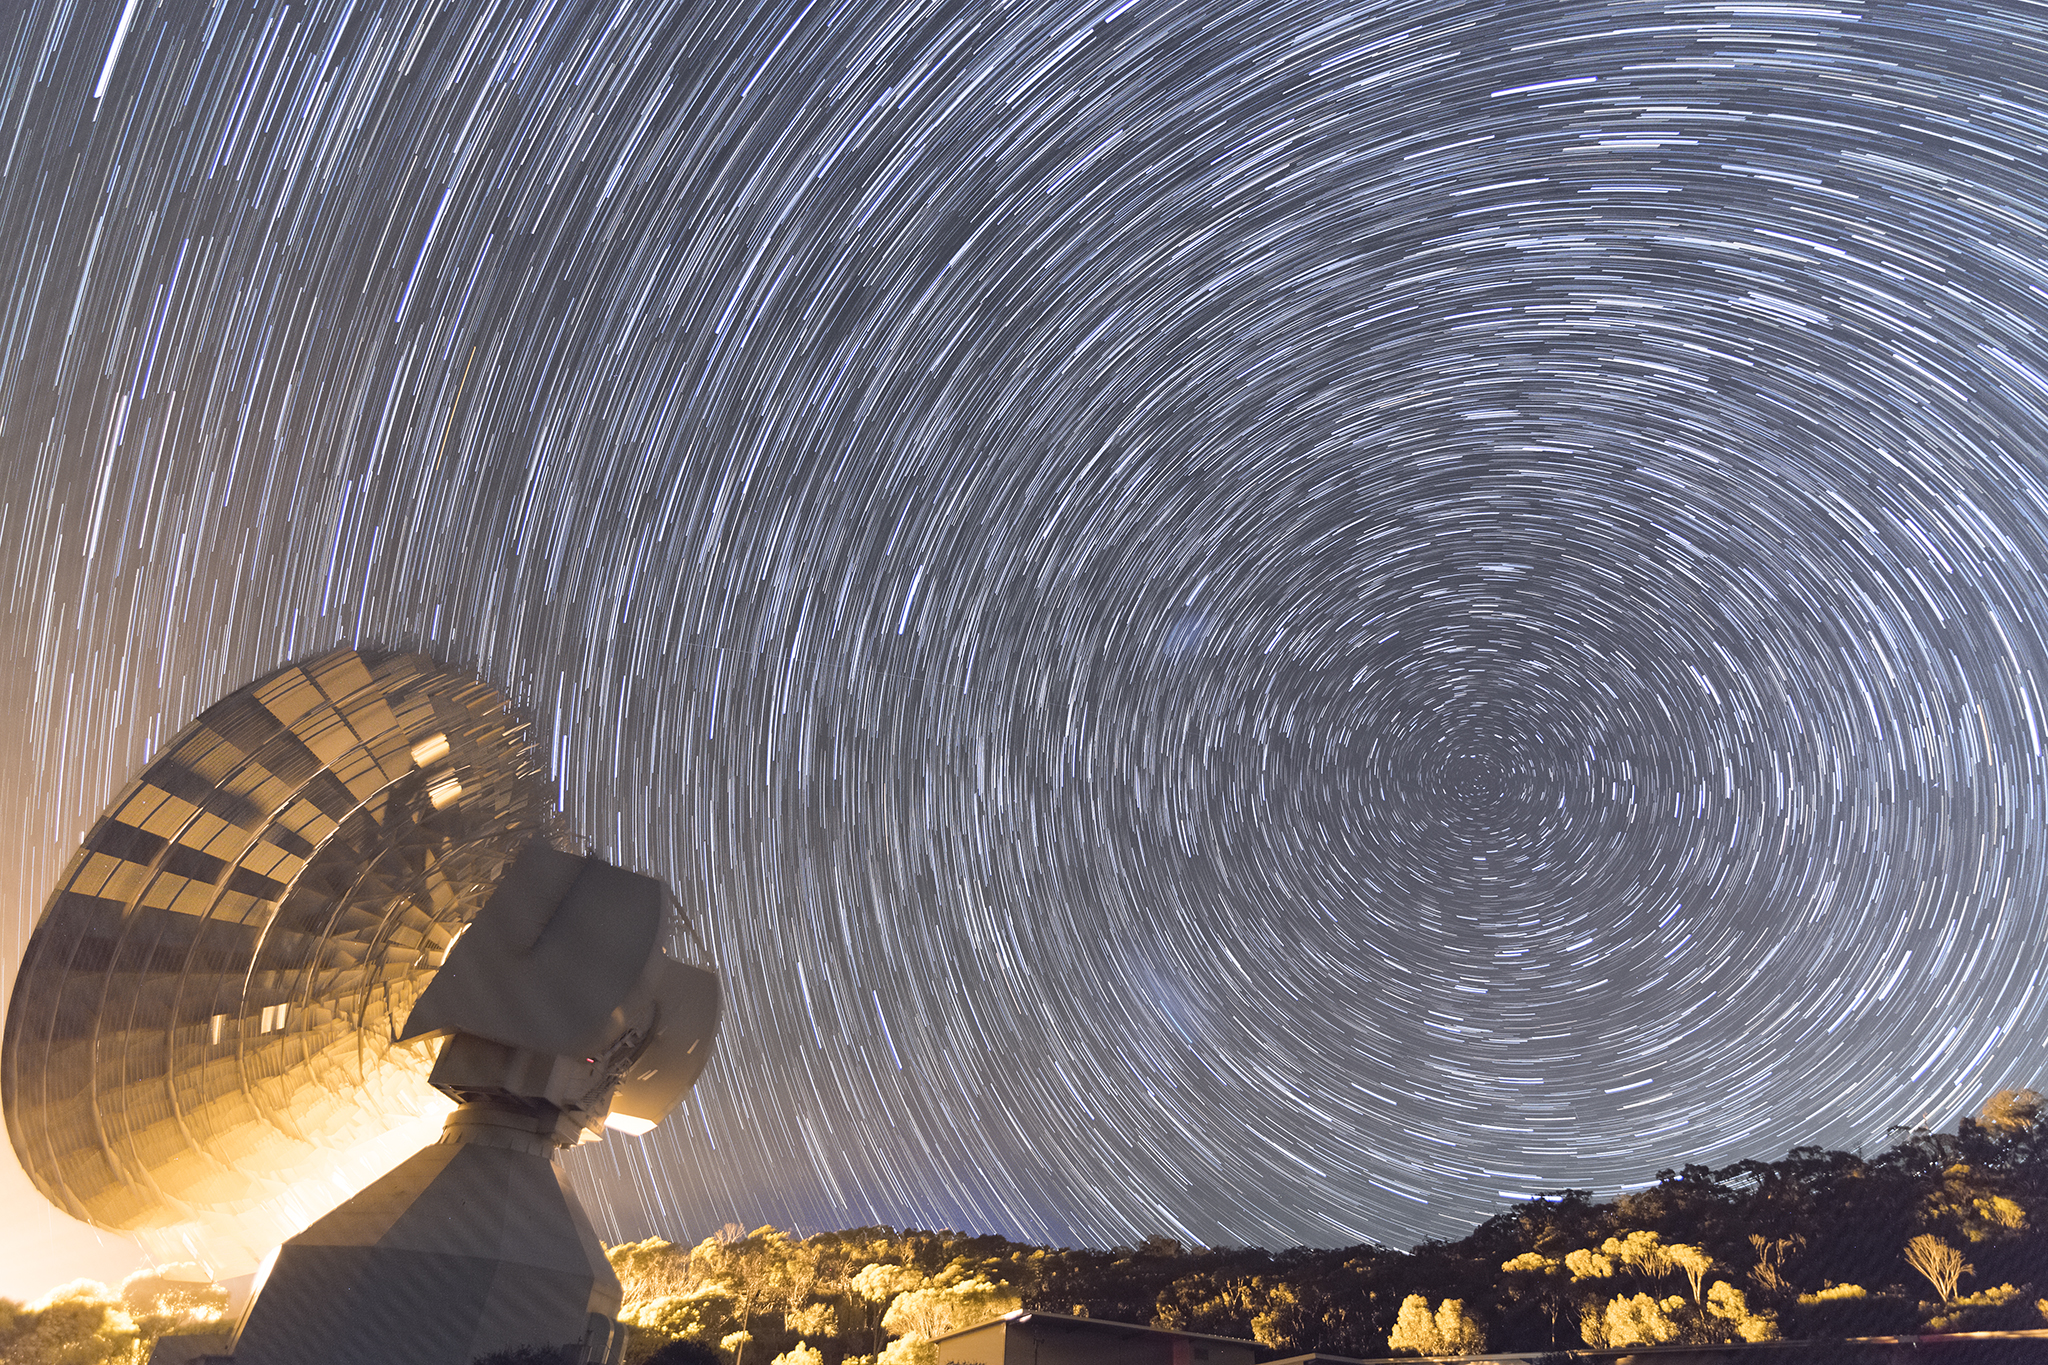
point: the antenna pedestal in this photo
(473, 1245)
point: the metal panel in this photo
(204, 1025)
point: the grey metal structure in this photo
(322, 918)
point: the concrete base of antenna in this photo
(472, 1246)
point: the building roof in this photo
(1761, 1351)
(1479, 1358)
(1023, 1317)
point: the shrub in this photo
(1849, 1311)
(81, 1323)
(1988, 1310)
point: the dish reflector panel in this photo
(204, 1029)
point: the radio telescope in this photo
(320, 921)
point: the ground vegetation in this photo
(1938, 1232)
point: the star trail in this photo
(1270, 622)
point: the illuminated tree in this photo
(183, 1294)
(1941, 1263)
(1768, 1272)
(649, 1270)
(881, 1283)
(934, 1311)
(701, 1315)
(1642, 1251)
(1694, 1263)
(1219, 1305)
(1731, 1306)
(1282, 1317)
(816, 1320)
(755, 1270)
(798, 1274)
(1415, 1328)
(1631, 1320)
(2012, 1111)
(1458, 1331)
(1971, 1202)
(1450, 1330)
(1534, 1276)
(909, 1349)
(877, 1285)
(1589, 1265)
(175, 1299)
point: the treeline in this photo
(1939, 1232)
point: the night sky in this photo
(1272, 622)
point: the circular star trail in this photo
(1271, 622)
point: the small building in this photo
(1480, 1358)
(1026, 1338)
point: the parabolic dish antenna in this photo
(204, 1041)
